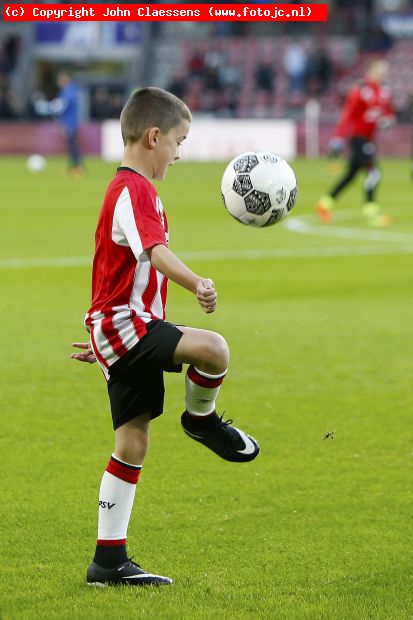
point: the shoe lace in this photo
(222, 437)
(222, 423)
(133, 563)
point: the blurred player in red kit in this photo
(367, 107)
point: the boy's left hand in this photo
(87, 356)
(206, 295)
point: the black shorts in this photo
(135, 383)
(363, 152)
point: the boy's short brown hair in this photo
(151, 107)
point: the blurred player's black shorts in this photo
(363, 152)
(136, 382)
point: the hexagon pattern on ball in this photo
(292, 199)
(257, 202)
(276, 216)
(245, 163)
(242, 184)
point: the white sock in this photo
(201, 391)
(117, 492)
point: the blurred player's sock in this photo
(323, 208)
(371, 211)
(201, 391)
(117, 492)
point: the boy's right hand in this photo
(206, 295)
(87, 355)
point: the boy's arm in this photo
(174, 269)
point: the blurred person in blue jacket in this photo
(66, 109)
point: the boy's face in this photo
(166, 148)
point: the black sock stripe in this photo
(125, 464)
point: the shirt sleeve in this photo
(137, 222)
(148, 219)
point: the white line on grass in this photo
(392, 242)
(276, 253)
(283, 253)
(53, 261)
(305, 227)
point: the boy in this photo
(128, 333)
(367, 107)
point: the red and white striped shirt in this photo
(127, 292)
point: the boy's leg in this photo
(132, 440)
(202, 348)
(117, 492)
(207, 355)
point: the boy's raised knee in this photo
(216, 353)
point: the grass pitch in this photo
(318, 320)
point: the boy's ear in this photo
(153, 137)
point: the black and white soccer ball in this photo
(259, 189)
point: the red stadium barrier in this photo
(45, 138)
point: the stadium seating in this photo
(248, 52)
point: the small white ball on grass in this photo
(36, 163)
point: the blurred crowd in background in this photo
(229, 69)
